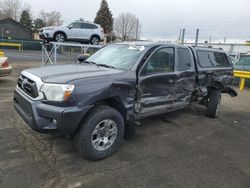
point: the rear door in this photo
(157, 82)
(186, 76)
(85, 31)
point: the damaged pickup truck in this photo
(97, 99)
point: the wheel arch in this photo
(95, 35)
(114, 102)
(60, 32)
(224, 89)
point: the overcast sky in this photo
(162, 19)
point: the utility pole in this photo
(225, 40)
(2, 37)
(210, 39)
(179, 39)
(197, 37)
(183, 36)
(137, 28)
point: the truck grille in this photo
(28, 86)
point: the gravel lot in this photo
(180, 149)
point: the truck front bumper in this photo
(46, 118)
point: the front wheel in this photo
(100, 134)
(60, 37)
(213, 103)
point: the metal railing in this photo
(1, 53)
(243, 75)
(50, 50)
(11, 44)
(24, 44)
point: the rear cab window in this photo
(208, 59)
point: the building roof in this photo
(14, 21)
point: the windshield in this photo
(117, 56)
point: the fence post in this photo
(242, 84)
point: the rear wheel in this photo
(59, 37)
(213, 103)
(95, 40)
(100, 134)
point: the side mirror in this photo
(83, 57)
(70, 27)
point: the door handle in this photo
(171, 81)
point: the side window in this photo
(219, 59)
(92, 26)
(88, 26)
(76, 25)
(204, 59)
(212, 59)
(161, 61)
(184, 59)
(84, 26)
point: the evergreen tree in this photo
(104, 17)
(26, 19)
(38, 24)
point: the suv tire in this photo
(59, 37)
(95, 40)
(100, 133)
(213, 103)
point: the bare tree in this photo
(53, 18)
(10, 9)
(127, 27)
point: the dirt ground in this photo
(180, 149)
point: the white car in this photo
(5, 68)
(80, 31)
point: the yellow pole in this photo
(242, 84)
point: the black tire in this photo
(95, 40)
(59, 37)
(83, 138)
(213, 103)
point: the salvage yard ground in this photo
(180, 149)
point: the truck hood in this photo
(68, 73)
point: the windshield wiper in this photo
(104, 65)
(90, 62)
(101, 65)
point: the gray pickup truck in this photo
(99, 98)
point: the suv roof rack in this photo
(85, 21)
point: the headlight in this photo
(57, 92)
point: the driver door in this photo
(157, 82)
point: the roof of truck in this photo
(151, 43)
(148, 43)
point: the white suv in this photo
(80, 31)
